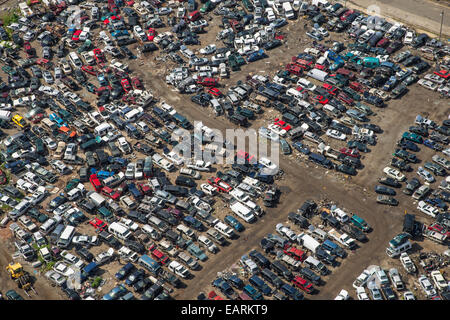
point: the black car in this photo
(308, 274)
(419, 130)
(388, 293)
(388, 181)
(325, 257)
(135, 276)
(298, 219)
(408, 145)
(259, 259)
(71, 293)
(267, 245)
(84, 253)
(354, 232)
(385, 190)
(346, 169)
(400, 164)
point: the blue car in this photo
(225, 288)
(252, 292)
(104, 174)
(115, 293)
(432, 145)
(232, 222)
(124, 271)
(301, 147)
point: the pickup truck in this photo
(291, 262)
(343, 239)
(327, 151)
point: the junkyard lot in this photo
(301, 181)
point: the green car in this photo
(208, 6)
(358, 145)
(13, 295)
(90, 87)
(412, 136)
(72, 184)
(405, 155)
(360, 223)
(285, 147)
(363, 108)
(8, 70)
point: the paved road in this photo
(424, 14)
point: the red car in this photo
(37, 118)
(145, 188)
(214, 296)
(207, 82)
(356, 86)
(221, 185)
(76, 35)
(241, 154)
(439, 229)
(330, 89)
(305, 64)
(98, 224)
(129, 3)
(100, 90)
(126, 85)
(321, 99)
(89, 69)
(110, 193)
(294, 69)
(3, 178)
(99, 56)
(158, 255)
(346, 14)
(28, 49)
(137, 83)
(443, 73)
(95, 182)
(151, 34)
(303, 284)
(295, 253)
(215, 92)
(320, 67)
(344, 98)
(282, 124)
(350, 152)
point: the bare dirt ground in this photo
(300, 182)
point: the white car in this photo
(343, 295)
(85, 240)
(105, 257)
(63, 269)
(286, 231)
(55, 277)
(439, 280)
(361, 293)
(208, 189)
(428, 84)
(266, 133)
(48, 90)
(130, 224)
(425, 174)
(361, 280)
(129, 172)
(270, 14)
(139, 33)
(306, 84)
(174, 157)
(124, 146)
(427, 286)
(408, 295)
(268, 164)
(409, 36)
(428, 209)
(394, 174)
(179, 269)
(335, 134)
(209, 49)
(434, 78)
(277, 129)
(50, 143)
(323, 32)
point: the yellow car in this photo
(19, 121)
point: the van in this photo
(254, 207)
(224, 229)
(328, 108)
(19, 209)
(66, 237)
(315, 264)
(119, 230)
(54, 236)
(243, 212)
(292, 92)
(318, 74)
(149, 264)
(271, 277)
(48, 226)
(155, 235)
(282, 270)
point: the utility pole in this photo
(442, 21)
